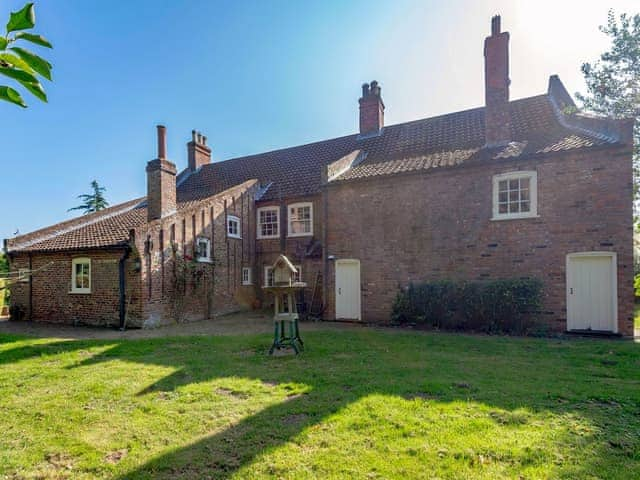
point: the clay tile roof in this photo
(107, 228)
(443, 141)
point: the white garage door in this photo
(348, 289)
(592, 299)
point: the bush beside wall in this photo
(498, 306)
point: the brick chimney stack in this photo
(371, 109)
(198, 152)
(496, 78)
(161, 182)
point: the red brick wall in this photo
(150, 294)
(437, 225)
(268, 250)
(209, 288)
(51, 296)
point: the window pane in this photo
(524, 206)
(503, 186)
(524, 194)
(503, 197)
(514, 207)
(513, 196)
(503, 208)
(524, 182)
(513, 184)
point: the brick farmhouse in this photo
(516, 188)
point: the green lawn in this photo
(357, 404)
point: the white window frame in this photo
(266, 283)
(23, 275)
(206, 258)
(259, 224)
(532, 175)
(233, 218)
(248, 280)
(80, 261)
(289, 219)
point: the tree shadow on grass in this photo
(339, 370)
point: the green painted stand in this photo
(285, 321)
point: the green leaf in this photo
(36, 89)
(17, 74)
(27, 80)
(15, 62)
(38, 64)
(8, 94)
(22, 19)
(3, 43)
(33, 38)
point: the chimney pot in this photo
(198, 152)
(162, 141)
(496, 77)
(371, 109)
(161, 182)
(495, 25)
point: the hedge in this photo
(498, 306)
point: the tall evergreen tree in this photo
(613, 81)
(92, 202)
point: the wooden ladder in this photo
(315, 305)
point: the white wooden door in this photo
(592, 299)
(348, 290)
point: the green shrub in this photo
(498, 306)
(636, 285)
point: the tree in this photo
(19, 64)
(613, 81)
(92, 202)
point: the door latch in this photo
(339, 291)
(571, 291)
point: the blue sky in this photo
(254, 76)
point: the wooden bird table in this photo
(286, 332)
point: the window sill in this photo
(204, 260)
(80, 292)
(294, 235)
(272, 237)
(238, 237)
(514, 217)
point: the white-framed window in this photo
(233, 226)
(246, 276)
(515, 195)
(297, 277)
(203, 249)
(268, 222)
(23, 275)
(268, 276)
(300, 219)
(81, 275)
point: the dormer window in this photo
(300, 219)
(233, 226)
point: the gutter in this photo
(122, 284)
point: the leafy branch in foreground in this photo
(19, 64)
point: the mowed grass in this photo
(356, 404)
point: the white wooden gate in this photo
(592, 297)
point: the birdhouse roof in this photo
(282, 259)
